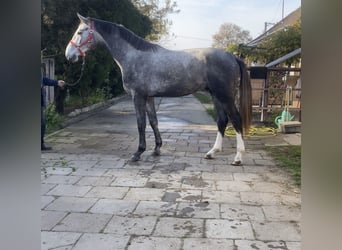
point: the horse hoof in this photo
(208, 156)
(156, 153)
(135, 158)
(236, 163)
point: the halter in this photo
(90, 39)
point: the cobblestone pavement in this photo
(93, 197)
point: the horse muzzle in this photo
(70, 54)
(73, 51)
(73, 58)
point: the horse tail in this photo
(245, 97)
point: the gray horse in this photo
(149, 70)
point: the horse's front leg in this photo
(140, 110)
(152, 116)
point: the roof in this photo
(289, 20)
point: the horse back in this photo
(168, 73)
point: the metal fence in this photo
(269, 87)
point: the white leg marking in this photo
(237, 157)
(240, 147)
(217, 147)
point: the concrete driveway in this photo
(93, 197)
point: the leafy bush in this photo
(203, 97)
(211, 111)
(98, 96)
(52, 118)
(271, 118)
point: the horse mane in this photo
(131, 38)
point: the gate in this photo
(48, 68)
(269, 86)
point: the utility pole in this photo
(282, 12)
(268, 24)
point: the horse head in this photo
(81, 41)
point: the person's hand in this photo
(61, 83)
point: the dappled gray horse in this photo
(149, 70)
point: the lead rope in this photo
(82, 69)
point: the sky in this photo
(199, 20)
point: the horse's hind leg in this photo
(240, 148)
(235, 117)
(152, 116)
(222, 121)
(223, 113)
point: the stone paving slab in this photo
(156, 208)
(179, 227)
(229, 229)
(51, 218)
(115, 207)
(108, 192)
(242, 212)
(124, 225)
(83, 222)
(198, 210)
(205, 243)
(267, 231)
(93, 197)
(154, 243)
(101, 241)
(71, 204)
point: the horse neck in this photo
(117, 46)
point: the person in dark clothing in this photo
(46, 82)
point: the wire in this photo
(276, 12)
(193, 38)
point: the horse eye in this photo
(81, 31)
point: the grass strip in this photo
(289, 158)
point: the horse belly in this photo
(175, 85)
(177, 80)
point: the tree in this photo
(59, 21)
(230, 36)
(146, 18)
(277, 45)
(158, 16)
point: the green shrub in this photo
(98, 96)
(203, 97)
(271, 118)
(211, 111)
(52, 118)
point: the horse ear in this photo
(82, 18)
